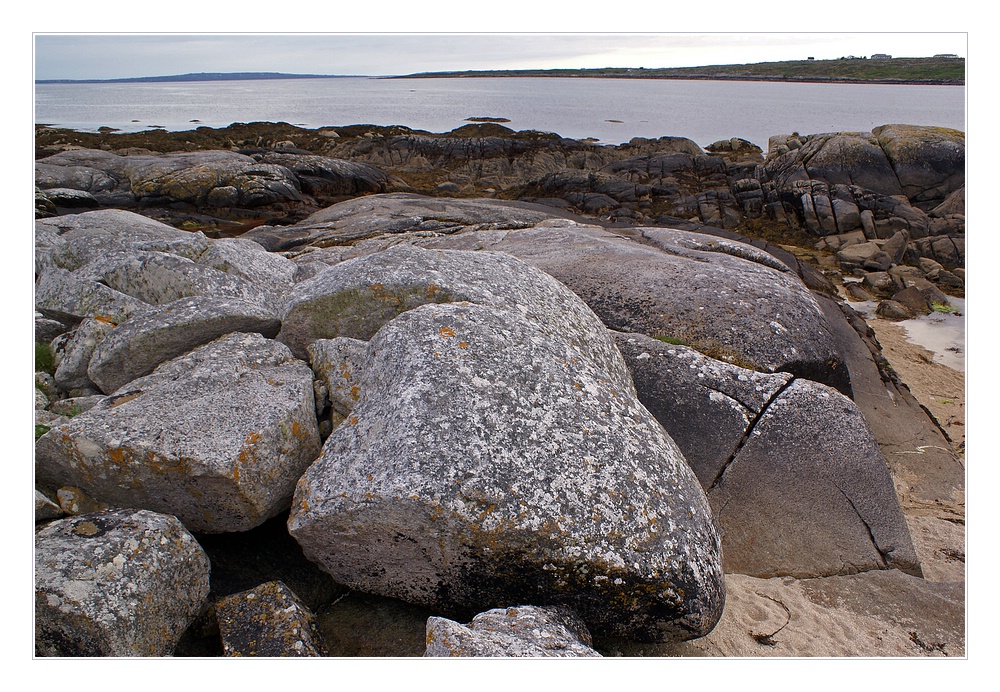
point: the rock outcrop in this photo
(428, 391)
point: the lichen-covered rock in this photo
(365, 217)
(268, 620)
(525, 631)
(74, 240)
(217, 437)
(68, 296)
(809, 493)
(355, 298)
(116, 583)
(929, 162)
(490, 459)
(136, 346)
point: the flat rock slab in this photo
(366, 217)
(116, 583)
(268, 620)
(217, 437)
(525, 631)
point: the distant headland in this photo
(196, 77)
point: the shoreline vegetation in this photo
(930, 71)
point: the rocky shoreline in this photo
(589, 400)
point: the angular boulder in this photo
(525, 631)
(492, 457)
(136, 346)
(217, 437)
(116, 583)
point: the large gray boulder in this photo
(496, 454)
(794, 475)
(810, 494)
(136, 346)
(116, 583)
(726, 299)
(525, 631)
(200, 178)
(929, 162)
(217, 437)
(706, 405)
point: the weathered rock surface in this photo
(217, 437)
(492, 442)
(116, 583)
(525, 631)
(268, 620)
(707, 406)
(356, 297)
(71, 372)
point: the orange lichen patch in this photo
(296, 429)
(352, 420)
(117, 455)
(248, 453)
(355, 392)
(432, 290)
(463, 344)
(446, 332)
(104, 318)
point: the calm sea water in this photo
(609, 110)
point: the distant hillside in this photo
(194, 77)
(938, 70)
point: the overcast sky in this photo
(109, 56)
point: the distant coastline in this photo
(941, 70)
(198, 77)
